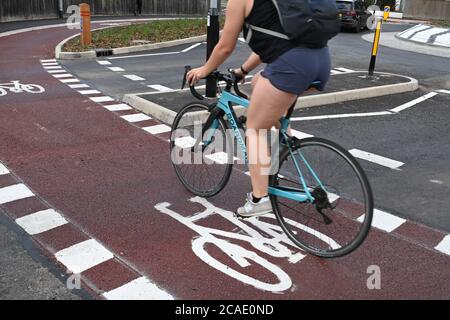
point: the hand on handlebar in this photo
(194, 75)
(239, 75)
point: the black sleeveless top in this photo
(265, 15)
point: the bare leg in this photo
(268, 104)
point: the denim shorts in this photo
(296, 69)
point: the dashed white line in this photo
(414, 102)
(41, 221)
(3, 170)
(78, 86)
(49, 64)
(83, 256)
(219, 157)
(160, 88)
(104, 62)
(191, 47)
(118, 107)
(136, 117)
(65, 75)
(69, 80)
(14, 192)
(133, 77)
(437, 182)
(88, 92)
(371, 157)
(345, 70)
(48, 60)
(52, 67)
(444, 91)
(384, 221)
(101, 99)
(161, 128)
(444, 245)
(139, 289)
(338, 116)
(333, 72)
(300, 135)
(116, 69)
(56, 71)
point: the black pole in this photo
(211, 41)
(61, 9)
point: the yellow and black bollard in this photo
(376, 39)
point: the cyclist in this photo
(290, 69)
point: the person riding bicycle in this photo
(290, 69)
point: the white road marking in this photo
(49, 64)
(65, 75)
(300, 135)
(444, 91)
(384, 221)
(78, 86)
(444, 245)
(185, 142)
(437, 182)
(160, 88)
(48, 60)
(333, 72)
(382, 161)
(191, 47)
(242, 40)
(136, 117)
(161, 128)
(87, 92)
(133, 77)
(104, 62)
(14, 192)
(414, 102)
(69, 80)
(345, 70)
(56, 71)
(138, 289)
(41, 221)
(83, 256)
(102, 99)
(219, 157)
(118, 107)
(52, 67)
(345, 115)
(145, 55)
(116, 69)
(3, 170)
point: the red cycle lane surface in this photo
(106, 176)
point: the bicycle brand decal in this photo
(266, 238)
(17, 87)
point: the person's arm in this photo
(252, 62)
(234, 21)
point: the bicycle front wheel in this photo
(339, 219)
(202, 159)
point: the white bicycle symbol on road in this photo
(17, 87)
(269, 240)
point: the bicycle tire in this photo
(357, 210)
(214, 187)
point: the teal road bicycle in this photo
(320, 195)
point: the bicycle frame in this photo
(225, 104)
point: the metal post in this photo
(61, 9)
(211, 42)
(376, 41)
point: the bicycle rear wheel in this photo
(203, 168)
(339, 219)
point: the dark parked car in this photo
(353, 14)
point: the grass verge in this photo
(142, 33)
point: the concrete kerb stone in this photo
(167, 116)
(62, 55)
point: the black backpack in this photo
(306, 22)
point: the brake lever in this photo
(186, 70)
(236, 79)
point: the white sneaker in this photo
(251, 209)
